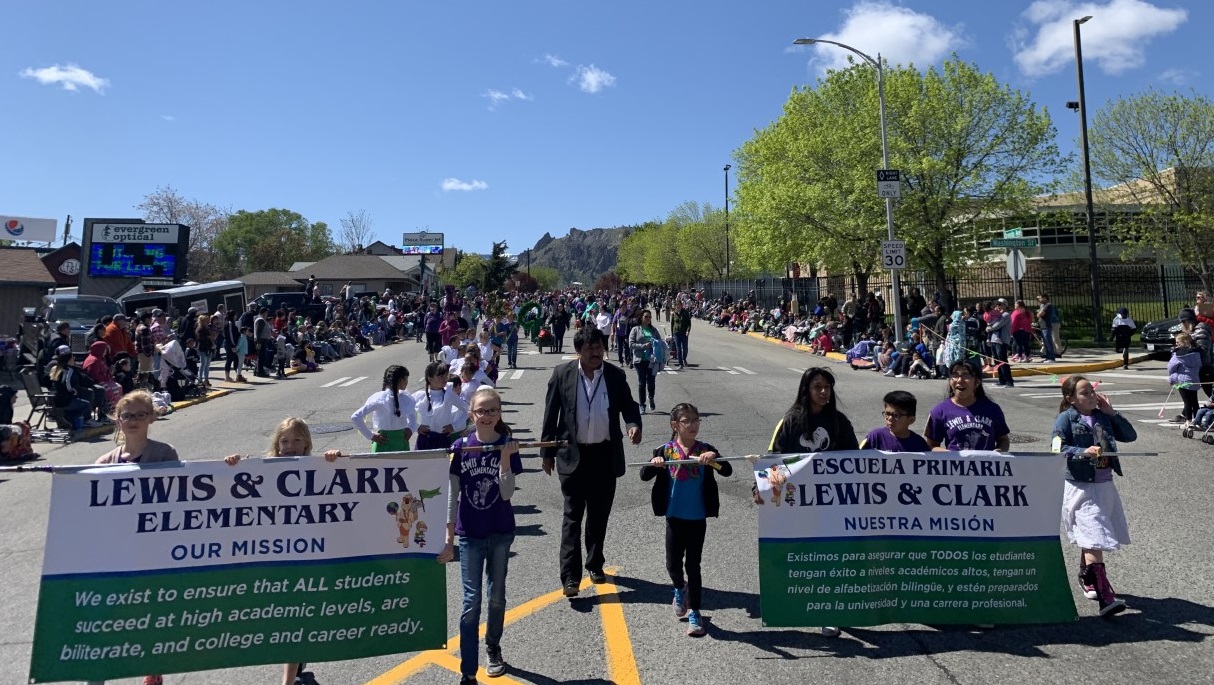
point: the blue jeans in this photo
(1047, 340)
(75, 410)
(481, 558)
(512, 351)
(680, 347)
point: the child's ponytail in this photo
(393, 375)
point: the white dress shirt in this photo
(592, 418)
(444, 408)
(383, 414)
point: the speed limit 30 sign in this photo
(893, 254)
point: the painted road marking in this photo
(349, 383)
(621, 663)
(729, 370)
(333, 383)
(1150, 405)
(1054, 395)
(793, 368)
(518, 373)
(748, 372)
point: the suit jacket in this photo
(560, 414)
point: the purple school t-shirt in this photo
(975, 427)
(882, 439)
(482, 511)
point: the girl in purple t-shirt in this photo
(967, 419)
(479, 511)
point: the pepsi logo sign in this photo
(14, 228)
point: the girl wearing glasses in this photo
(966, 419)
(686, 496)
(480, 513)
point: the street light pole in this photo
(1093, 261)
(896, 282)
(727, 167)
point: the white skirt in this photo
(1093, 516)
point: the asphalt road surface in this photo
(624, 632)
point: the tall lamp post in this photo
(727, 167)
(1093, 261)
(900, 332)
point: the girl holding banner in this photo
(966, 419)
(813, 424)
(392, 411)
(1087, 432)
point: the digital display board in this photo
(422, 249)
(132, 260)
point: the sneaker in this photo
(496, 666)
(829, 631)
(898, 375)
(889, 373)
(1110, 605)
(1179, 418)
(571, 588)
(680, 603)
(598, 577)
(695, 625)
(641, 406)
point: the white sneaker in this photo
(828, 631)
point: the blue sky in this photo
(491, 120)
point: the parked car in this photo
(81, 311)
(1157, 335)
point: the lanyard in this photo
(592, 393)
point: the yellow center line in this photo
(621, 663)
(423, 659)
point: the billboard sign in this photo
(133, 250)
(28, 230)
(422, 243)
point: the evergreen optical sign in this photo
(137, 250)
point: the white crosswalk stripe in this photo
(352, 382)
(518, 373)
(333, 383)
(728, 370)
(793, 368)
(748, 372)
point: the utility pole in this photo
(1093, 260)
(727, 167)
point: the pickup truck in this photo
(289, 301)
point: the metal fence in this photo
(1150, 292)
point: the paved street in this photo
(624, 632)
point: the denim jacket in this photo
(1076, 437)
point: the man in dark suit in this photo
(583, 406)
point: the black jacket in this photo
(660, 496)
(560, 415)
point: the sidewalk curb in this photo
(1021, 371)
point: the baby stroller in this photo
(182, 384)
(545, 338)
(1207, 433)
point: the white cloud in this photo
(168, 117)
(553, 60)
(900, 34)
(1178, 76)
(450, 184)
(497, 97)
(591, 79)
(70, 76)
(1115, 39)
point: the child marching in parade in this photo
(1087, 431)
(686, 496)
(479, 511)
(441, 412)
(896, 435)
(392, 411)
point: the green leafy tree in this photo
(630, 259)
(470, 269)
(546, 278)
(805, 183)
(270, 240)
(966, 144)
(499, 267)
(1159, 148)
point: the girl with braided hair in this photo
(392, 411)
(441, 412)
